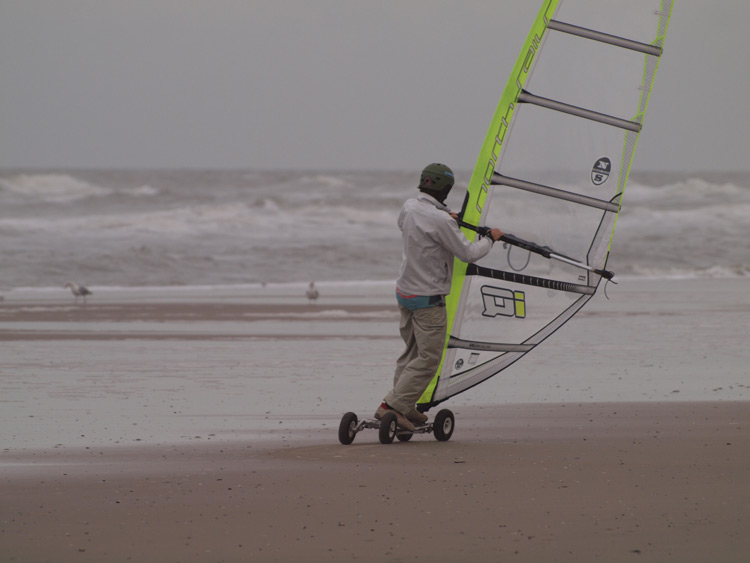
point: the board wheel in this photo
(387, 430)
(404, 437)
(443, 425)
(348, 428)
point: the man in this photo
(431, 240)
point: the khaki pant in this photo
(423, 331)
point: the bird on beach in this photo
(312, 292)
(78, 291)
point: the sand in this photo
(202, 428)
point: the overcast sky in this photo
(342, 84)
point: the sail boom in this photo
(605, 38)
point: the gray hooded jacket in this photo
(431, 239)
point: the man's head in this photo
(437, 181)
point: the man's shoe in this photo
(401, 420)
(416, 417)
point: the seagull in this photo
(78, 291)
(312, 293)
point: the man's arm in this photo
(451, 237)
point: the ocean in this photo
(136, 228)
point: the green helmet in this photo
(436, 178)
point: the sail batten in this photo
(500, 180)
(529, 98)
(606, 38)
(489, 346)
(524, 279)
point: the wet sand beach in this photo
(198, 427)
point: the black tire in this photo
(405, 437)
(443, 426)
(387, 430)
(348, 428)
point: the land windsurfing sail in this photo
(552, 171)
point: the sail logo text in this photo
(503, 302)
(504, 125)
(600, 171)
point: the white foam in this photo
(157, 229)
(143, 191)
(56, 188)
(329, 314)
(676, 273)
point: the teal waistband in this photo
(413, 302)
